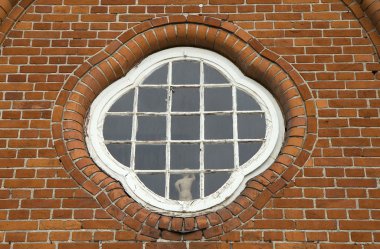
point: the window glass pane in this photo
(185, 99)
(246, 102)
(150, 157)
(124, 103)
(155, 182)
(184, 156)
(151, 128)
(121, 152)
(158, 76)
(213, 76)
(184, 187)
(117, 127)
(218, 126)
(251, 126)
(215, 180)
(247, 151)
(219, 156)
(186, 72)
(185, 127)
(152, 100)
(218, 99)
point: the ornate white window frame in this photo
(275, 131)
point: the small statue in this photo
(183, 186)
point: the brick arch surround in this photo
(130, 48)
(372, 9)
(368, 14)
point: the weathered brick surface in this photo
(319, 58)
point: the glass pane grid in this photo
(203, 140)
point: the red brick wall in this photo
(329, 50)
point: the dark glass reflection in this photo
(213, 76)
(150, 156)
(151, 128)
(218, 99)
(185, 127)
(124, 103)
(121, 152)
(155, 182)
(184, 156)
(117, 127)
(218, 127)
(185, 99)
(251, 126)
(183, 181)
(152, 100)
(159, 76)
(186, 72)
(215, 180)
(248, 150)
(246, 102)
(219, 156)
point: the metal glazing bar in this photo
(134, 129)
(219, 141)
(202, 132)
(164, 114)
(168, 131)
(235, 127)
(181, 171)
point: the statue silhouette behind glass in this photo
(183, 186)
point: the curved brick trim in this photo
(372, 9)
(114, 62)
(10, 12)
(5, 7)
(368, 14)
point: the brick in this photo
(122, 245)
(60, 225)
(34, 246)
(18, 225)
(175, 245)
(270, 224)
(316, 225)
(78, 245)
(40, 203)
(339, 203)
(296, 246)
(158, 2)
(208, 245)
(359, 225)
(24, 183)
(105, 224)
(290, 203)
(370, 204)
(252, 245)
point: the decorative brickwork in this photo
(368, 10)
(372, 9)
(319, 58)
(131, 47)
